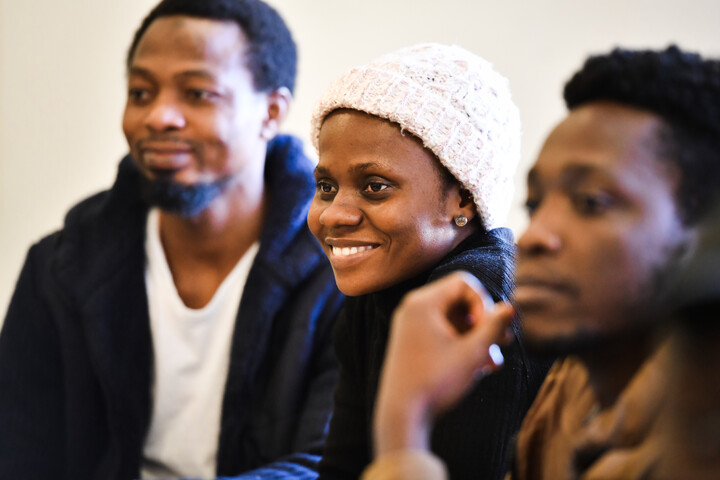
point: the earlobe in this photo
(466, 207)
(277, 109)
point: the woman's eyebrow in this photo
(361, 167)
(321, 171)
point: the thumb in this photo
(481, 342)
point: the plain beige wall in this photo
(62, 79)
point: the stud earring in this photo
(461, 220)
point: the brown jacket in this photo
(565, 434)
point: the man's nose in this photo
(165, 114)
(541, 234)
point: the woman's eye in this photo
(325, 187)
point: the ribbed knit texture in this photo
(473, 438)
(452, 100)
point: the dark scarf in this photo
(473, 438)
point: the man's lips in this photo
(530, 285)
(165, 155)
(164, 145)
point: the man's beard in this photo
(180, 199)
(648, 313)
(578, 343)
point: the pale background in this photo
(62, 83)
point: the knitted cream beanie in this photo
(454, 102)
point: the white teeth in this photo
(345, 251)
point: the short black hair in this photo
(272, 54)
(680, 87)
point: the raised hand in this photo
(444, 337)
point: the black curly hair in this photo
(684, 90)
(272, 54)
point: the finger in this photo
(482, 342)
(473, 293)
(497, 360)
(509, 335)
(496, 354)
(457, 287)
(493, 326)
(462, 299)
(453, 297)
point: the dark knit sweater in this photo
(473, 438)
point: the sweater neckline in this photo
(389, 298)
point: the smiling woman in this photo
(416, 156)
(383, 209)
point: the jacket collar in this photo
(284, 245)
(104, 231)
(101, 265)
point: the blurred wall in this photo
(62, 84)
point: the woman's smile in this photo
(347, 251)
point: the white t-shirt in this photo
(191, 357)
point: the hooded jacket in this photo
(76, 350)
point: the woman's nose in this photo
(341, 211)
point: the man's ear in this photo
(277, 109)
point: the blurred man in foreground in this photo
(615, 199)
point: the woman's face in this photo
(381, 211)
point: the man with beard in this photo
(615, 199)
(179, 324)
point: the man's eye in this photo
(531, 205)
(138, 94)
(375, 187)
(200, 94)
(592, 204)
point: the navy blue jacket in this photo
(76, 351)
